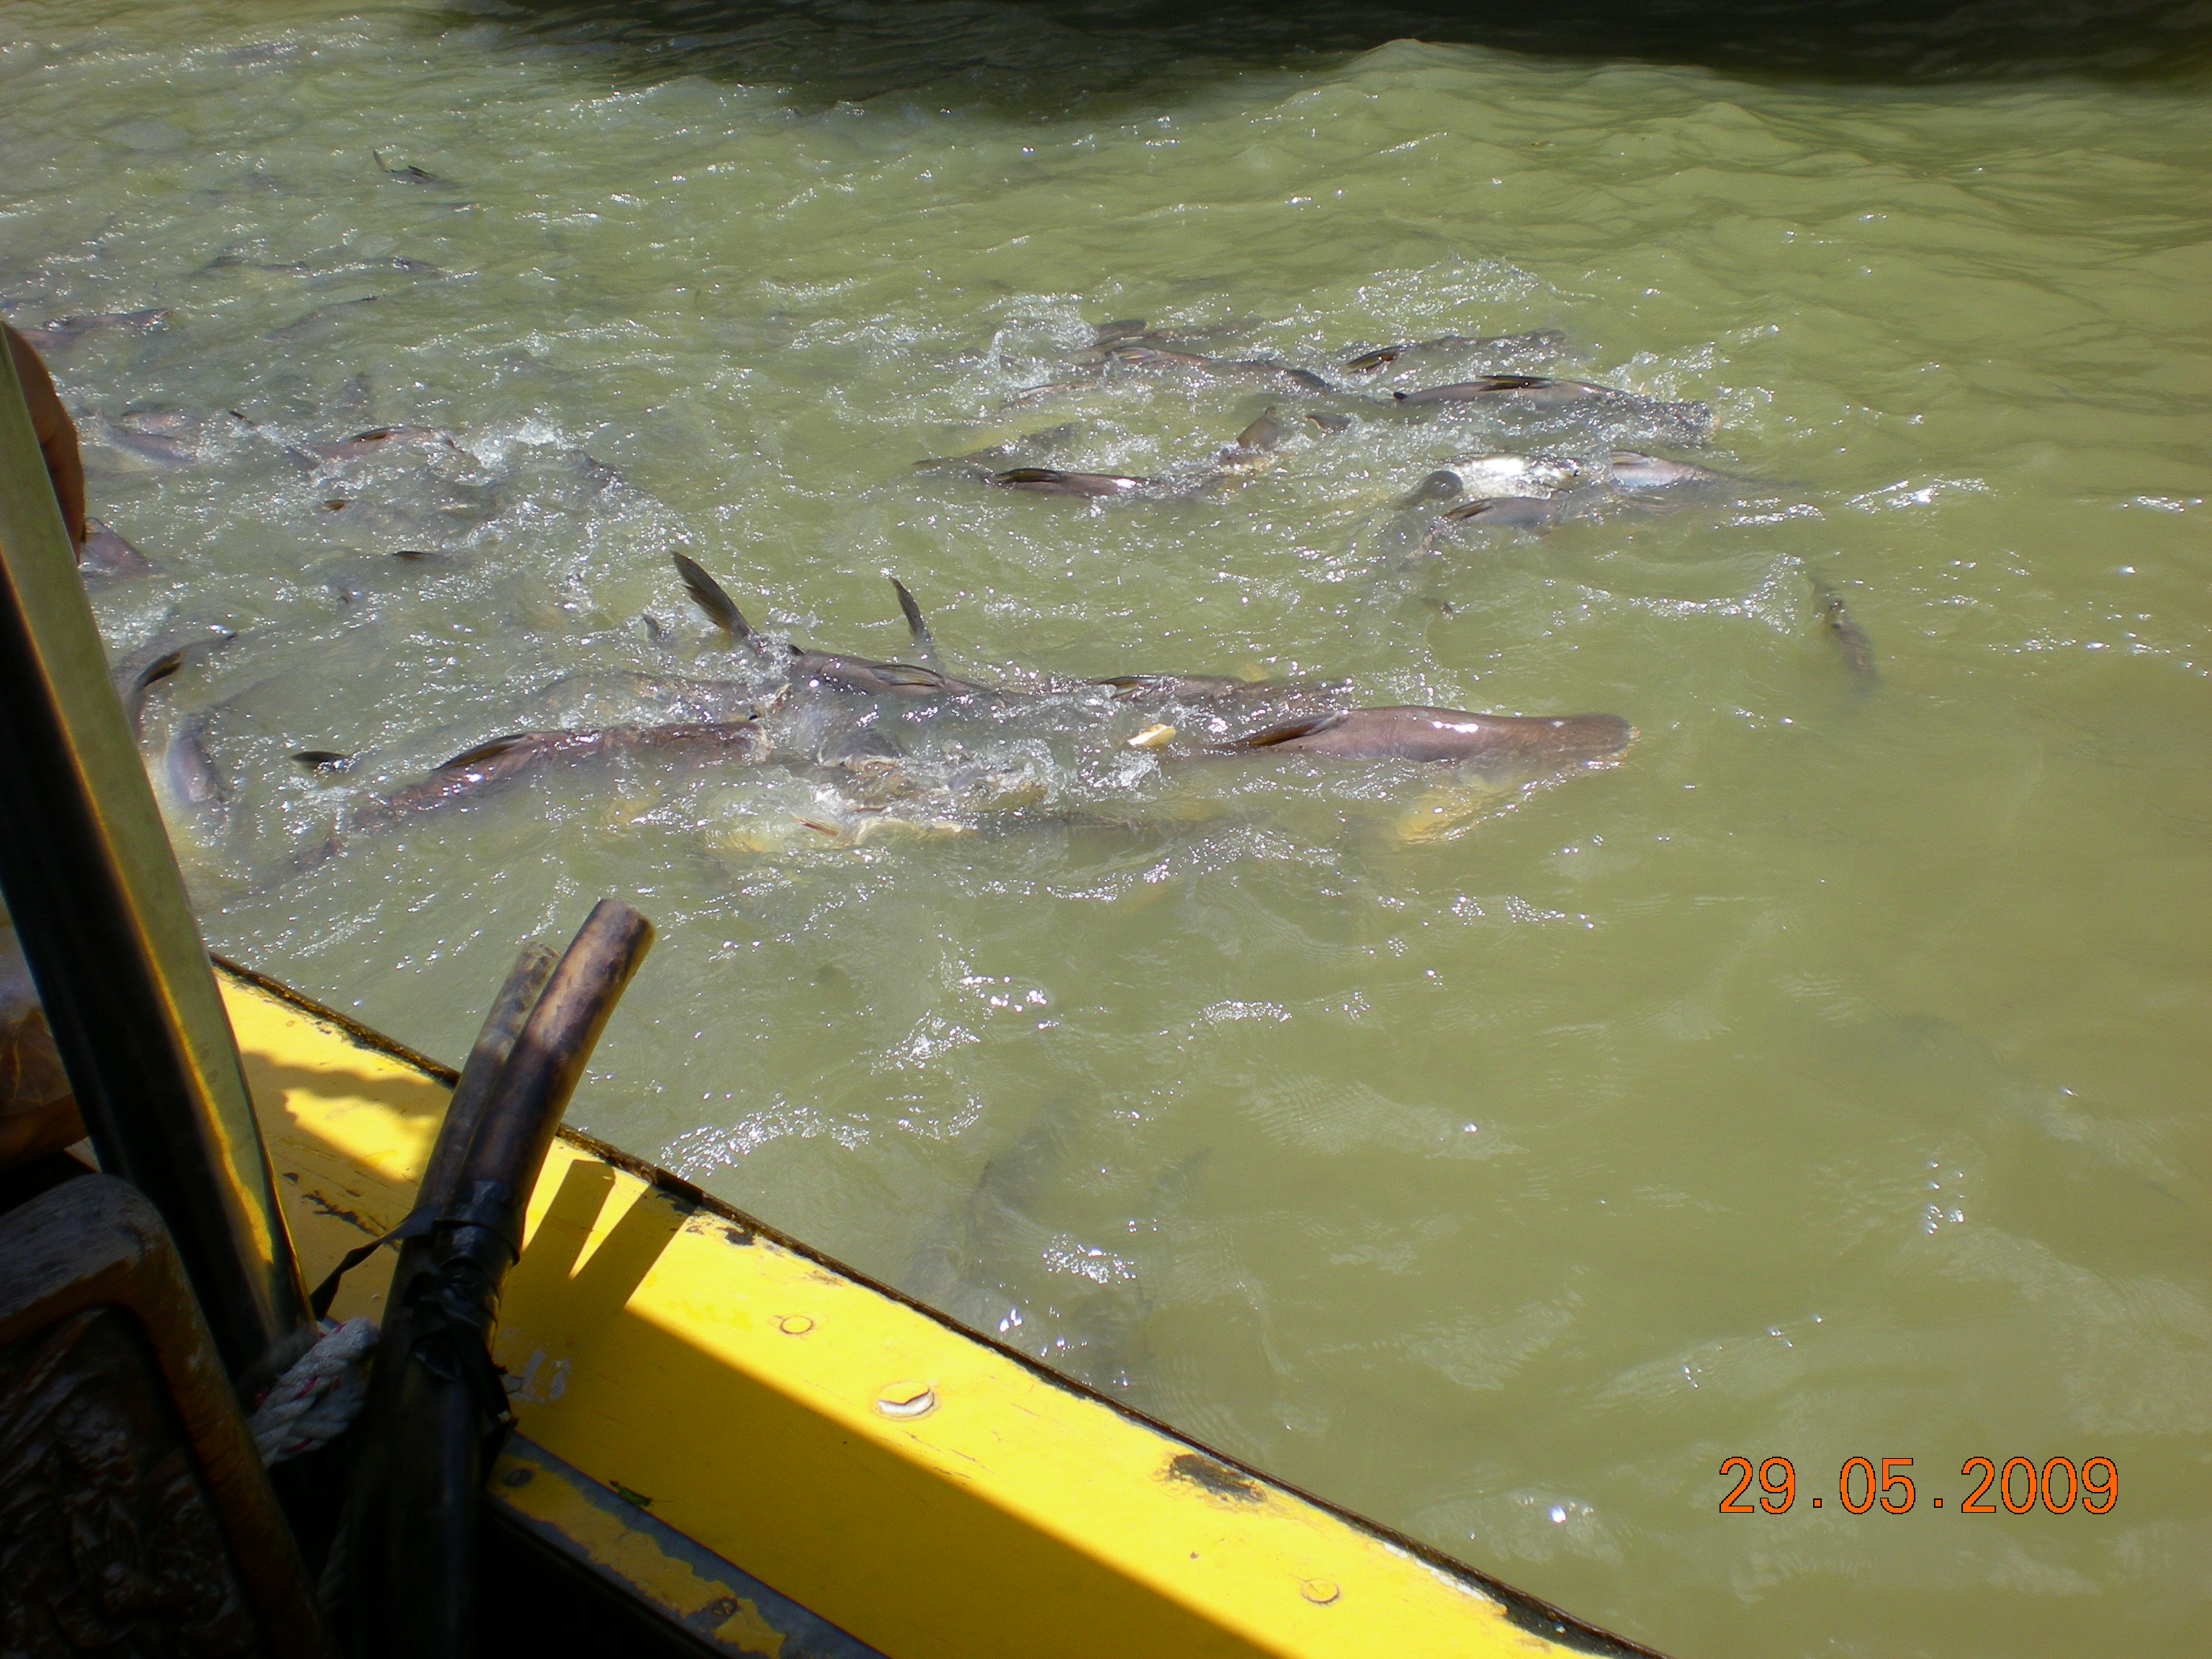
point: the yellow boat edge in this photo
(709, 1408)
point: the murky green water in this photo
(1825, 1080)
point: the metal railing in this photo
(93, 886)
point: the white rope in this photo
(316, 1401)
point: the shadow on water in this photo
(1042, 56)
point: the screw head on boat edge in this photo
(905, 1401)
(1319, 1591)
(795, 1324)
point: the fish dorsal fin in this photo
(708, 594)
(484, 751)
(1512, 382)
(902, 673)
(160, 669)
(916, 624)
(1262, 434)
(1294, 729)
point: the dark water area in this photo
(1068, 51)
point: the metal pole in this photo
(94, 889)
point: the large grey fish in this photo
(1254, 445)
(1503, 743)
(138, 674)
(1531, 394)
(1534, 347)
(194, 784)
(506, 760)
(1438, 486)
(819, 668)
(317, 321)
(1626, 470)
(1520, 475)
(1135, 332)
(1413, 528)
(1531, 513)
(409, 175)
(379, 441)
(164, 437)
(1855, 649)
(1144, 356)
(104, 553)
(68, 330)
(1220, 697)
(982, 463)
(1048, 481)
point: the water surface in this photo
(1825, 1080)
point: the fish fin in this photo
(1289, 732)
(158, 669)
(1443, 814)
(484, 751)
(914, 623)
(904, 673)
(1263, 435)
(706, 594)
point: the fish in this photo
(1048, 481)
(1855, 649)
(1136, 331)
(1331, 424)
(1144, 356)
(1032, 397)
(1533, 394)
(1536, 512)
(411, 175)
(1438, 486)
(315, 322)
(380, 440)
(1538, 345)
(138, 674)
(817, 668)
(1520, 475)
(1626, 470)
(104, 553)
(1413, 529)
(1515, 744)
(982, 462)
(916, 625)
(162, 437)
(68, 330)
(511, 758)
(193, 780)
(1166, 688)
(1254, 445)
(1220, 694)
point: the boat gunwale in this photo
(1521, 1609)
